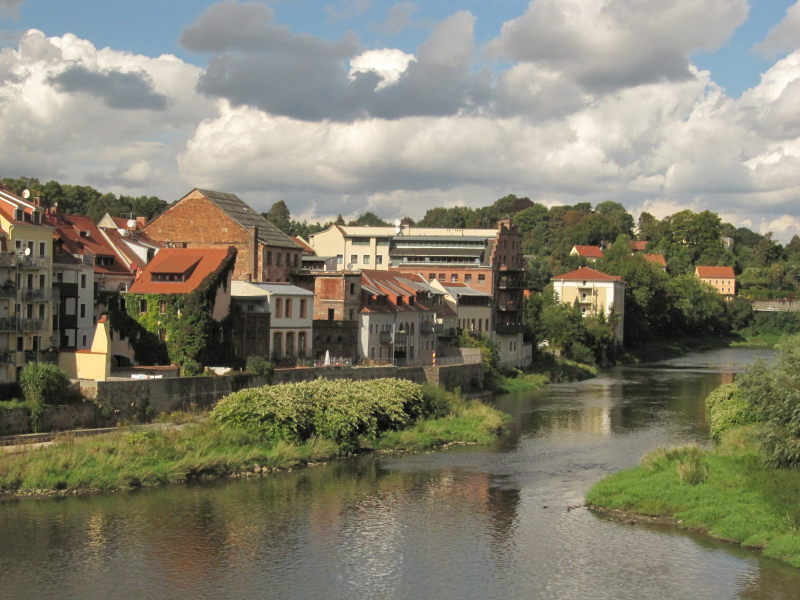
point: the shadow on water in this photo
(500, 522)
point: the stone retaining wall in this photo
(140, 400)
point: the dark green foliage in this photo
(45, 383)
(258, 365)
(369, 219)
(727, 409)
(773, 394)
(490, 355)
(340, 410)
(435, 401)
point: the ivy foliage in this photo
(178, 328)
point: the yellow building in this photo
(723, 279)
(26, 286)
(595, 292)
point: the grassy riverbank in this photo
(217, 448)
(746, 488)
(740, 500)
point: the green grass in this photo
(148, 457)
(523, 382)
(738, 499)
(562, 370)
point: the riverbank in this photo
(657, 350)
(212, 449)
(740, 500)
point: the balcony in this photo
(31, 324)
(40, 294)
(8, 291)
(508, 282)
(32, 262)
(447, 333)
(509, 327)
(8, 324)
(400, 338)
(428, 327)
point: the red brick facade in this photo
(196, 221)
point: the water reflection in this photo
(467, 523)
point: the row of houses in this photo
(359, 294)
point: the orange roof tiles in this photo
(657, 259)
(639, 245)
(207, 260)
(715, 272)
(586, 274)
(589, 251)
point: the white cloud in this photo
(785, 36)
(388, 63)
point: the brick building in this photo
(205, 218)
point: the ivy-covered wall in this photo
(178, 328)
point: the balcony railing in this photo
(399, 338)
(31, 324)
(509, 327)
(8, 324)
(511, 283)
(447, 332)
(8, 358)
(44, 293)
(32, 262)
(8, 291)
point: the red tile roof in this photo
(589, 251)
(657, 259)
(715, 272)
(586, 274)
(79, 235)
(167, 260)
(639, 245)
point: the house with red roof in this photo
(656, 259)
(722, 279)
(402, 319)
(591, 253)
(639, 245)
(595, 292)
(178, 300)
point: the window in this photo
(339, 259)
(20, 343)
(366, 259)
(83, 311)
(441, 277)
(288, 311)
(288, 260)
(278, 308)
(41, 311)
(302, 308)
(162, 306)
(142, 305)
(352, 314)
(42, 249)
(269, 258)
(453, 278)
(378, 261)
(42, 280)
(353, 258)
(431, 276)
(360, 241)
(18, 244)
(481, 277)
(352, 288)
(29, 311)
(301, 343)
(467, 278)
(30, 280)
(330, 314)
(83, 280)
(83, 342)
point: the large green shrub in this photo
(45, 383)
(340, 410)
(258, 365)
(727, 409)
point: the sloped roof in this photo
(208, 260)
(715, 272)
(589, 251)
(95, 242)
(639, 245)
(657, 259)
(243, 214)
(586, 274)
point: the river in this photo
(502, 522)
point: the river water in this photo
(463, 523)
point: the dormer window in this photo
(175, 271)
(19, 214)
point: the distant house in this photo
(209, 219)
(639, 245)
(723, 279)
(656, 259)
(291, 310)
(595, 292)
(591, 253)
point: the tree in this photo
(279, 216)
(369, 219)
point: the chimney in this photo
(37, 200)
(141, 222)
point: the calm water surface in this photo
(466, 523)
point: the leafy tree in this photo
(369, 219)
(279, 216)
(457, 217)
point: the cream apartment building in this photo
(595, 292)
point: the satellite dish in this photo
(26, 193)
(131, 223)
(27, 251)
(397, 224)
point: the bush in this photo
(191, 367)
(726, 409)
(340, 410)
(692, 468)
(44, 383)
(258, 365)
(581, 353)
(435, 401)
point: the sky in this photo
(346, 106)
